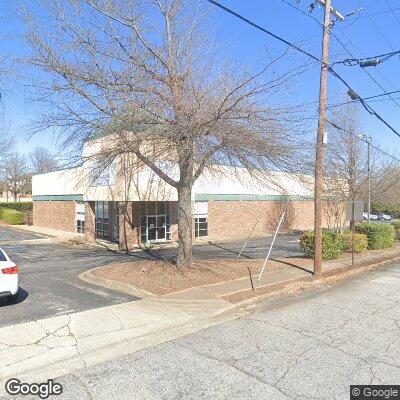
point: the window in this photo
(201, 219)
(102, 219)
(2, 256)
(107, 220)
(80, 216)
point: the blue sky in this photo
(361, 36)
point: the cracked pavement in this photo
(311, 345)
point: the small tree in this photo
(151, 74)
(42, 161)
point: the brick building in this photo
(227, 202)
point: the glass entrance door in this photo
(156, 228)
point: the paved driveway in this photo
(50, 283)
(49, 279)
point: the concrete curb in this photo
(89, 277)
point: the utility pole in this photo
(369, 179)
(319, 156)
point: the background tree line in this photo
(16, 168)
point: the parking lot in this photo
(49, 272)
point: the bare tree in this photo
(42, 161)
(16, 177)
(150, 74)
(345, 165)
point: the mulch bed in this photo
(160, 277)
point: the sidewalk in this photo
(39, 350)
(53, 234)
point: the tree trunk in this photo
(185, 223)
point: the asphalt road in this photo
(49, 279)
(308, 346)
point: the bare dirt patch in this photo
(159, 277)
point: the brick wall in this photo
(90, 222)
(237, 218)
(55, 215)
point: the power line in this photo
(369, 98)
(380, 32)
(346, 49)
(363, 140)
(292, 45)
(392, 11)
(366, 71)
(379, 13)
(350, 62)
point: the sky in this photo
(373, 30)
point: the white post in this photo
(245, 243)
(270, 249)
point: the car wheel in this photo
(12, 298)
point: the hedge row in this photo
(376, 236)
(19, 206)
(332, 245)
(11, 216)
(360, 242)
(380, 236)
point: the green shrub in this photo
(332, 245)
(380, 236)
(12, 217)
(360, 242)
(19, 206)
(396, 226)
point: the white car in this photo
(371, 216)
(9, 283)
(386, 217)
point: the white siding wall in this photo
(69, 181)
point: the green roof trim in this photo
(58, 197)
(250, 197)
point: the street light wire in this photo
(367, 107)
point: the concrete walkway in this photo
(51, 233)
(38, 350)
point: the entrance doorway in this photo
(156, 228)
